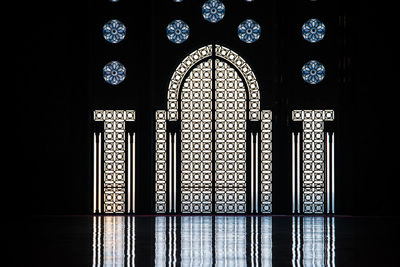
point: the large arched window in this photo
(223, 166)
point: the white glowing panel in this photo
(178, 76)
(266, 161)
(313, 157)
(114, 157)
(196, 140)
(249, 76)
(114, 241)
(160, 241)
(230, 140)
(266, 241)
(230, 241)
(196, 241)
(161, 161)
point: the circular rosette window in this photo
(313, 72)
(313, 30)
(249, 31)
(114, 31)
(178, 31)
(114, 73)
(213, 10)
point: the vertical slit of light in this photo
(333, 172)
(293, 174)
(328, 246)
(170, 241)
(298, 258)
(266, 241)
(133, 240)
(174, 172)
(128, 239)
(293, 239)
(252, 172)
(98, 240)
(328, 176)
(99, 174)
(256, 247)
(170, 172)
(94, 173)
(129, 173)
(94, 246)
(133, 172)
(298, 172)
(252, 242)
(333, 241)
(256, 172)
(174, 243)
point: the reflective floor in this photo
(214, 241)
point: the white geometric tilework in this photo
(161, 161)
(230, 140)
(313, 157)
(114, 157)
(196, 140)
(177, 78)
(266, 161)
(249, 76)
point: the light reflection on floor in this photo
(214, 241)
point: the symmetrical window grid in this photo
(313, 159)
(114, 182)
(213, 10)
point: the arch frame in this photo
(201, 54)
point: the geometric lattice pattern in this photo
(161, 161)
(196, 140)
(114, 157)
(313, 157)
(230, 140)
(178, 76)
(249, 76)
(266, 161)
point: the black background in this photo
(59, 83)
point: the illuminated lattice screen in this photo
(114, 157)
(313, 157)
(230, 140)
(249, 76)
(161, 163)
(196, 140)
(266, 161)
(178, 76)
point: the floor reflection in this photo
(212, 240)
(313, 240)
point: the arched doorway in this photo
(224, 165)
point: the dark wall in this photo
(62, 84)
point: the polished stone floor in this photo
(214, 241)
